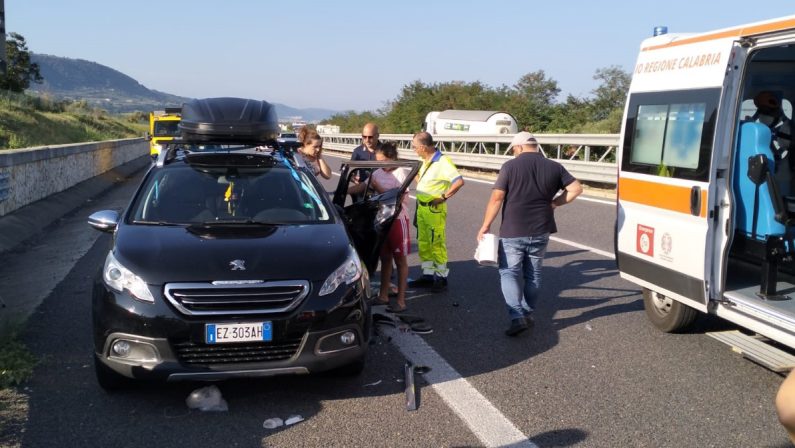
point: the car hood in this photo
(161, 254)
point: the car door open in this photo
(369, 218)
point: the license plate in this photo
(222, 333)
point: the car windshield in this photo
(169, 128)
(288, 136)
(235, 195)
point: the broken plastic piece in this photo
(207, 399)
(373, 384)
(411, 395)
(293, 419)
(272, 423)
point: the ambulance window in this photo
(670, 133)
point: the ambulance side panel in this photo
(666, 183)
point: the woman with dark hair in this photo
(312, 151)
(398, 243)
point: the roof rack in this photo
(178, 149)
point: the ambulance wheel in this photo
(667, 314)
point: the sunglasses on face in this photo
(367, 137)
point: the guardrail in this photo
(588, 157)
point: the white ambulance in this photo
(705, 218)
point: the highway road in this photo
(593, 372)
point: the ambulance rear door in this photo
(667, 176)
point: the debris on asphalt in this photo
(207, 399)
(455, 303)
(588, 327)
(293, 419)
(411, 393)
(373, 384)
(272, 423)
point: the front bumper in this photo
(165, 345)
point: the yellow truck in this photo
(163, 127)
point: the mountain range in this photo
(103, 87)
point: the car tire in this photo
(668, 315)
(109, 379)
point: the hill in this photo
(109, 89)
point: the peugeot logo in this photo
(237, 265)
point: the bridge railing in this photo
(588, 157)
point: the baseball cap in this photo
(522, 138)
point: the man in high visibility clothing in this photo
(437, 181)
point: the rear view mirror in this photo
(147, 136)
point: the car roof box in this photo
(236, 120)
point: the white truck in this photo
(705, 219)
(470, 122)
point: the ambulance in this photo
(706, 204)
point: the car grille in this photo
(198, 354)
(228, 298)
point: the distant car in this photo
(232, 261)
(288, 140)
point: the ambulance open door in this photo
(665, 186)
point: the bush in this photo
(16, 361)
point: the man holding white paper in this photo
(527, 191)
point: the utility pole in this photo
(3, 55)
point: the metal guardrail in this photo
(583, 155)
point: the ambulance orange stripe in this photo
(735, 32)
(668, 197)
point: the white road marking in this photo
(601, 252)
(483, 419)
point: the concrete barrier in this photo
(30, 174)
(44, 184)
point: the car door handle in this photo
(695, 201)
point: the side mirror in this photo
(104, 221)
(147, 136)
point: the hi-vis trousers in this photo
(431, 239)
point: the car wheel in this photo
(108, 379)
(667, 314)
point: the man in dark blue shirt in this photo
(365, 151)
(526, 189)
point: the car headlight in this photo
(349, 271)
(385, 211)
(119, 278)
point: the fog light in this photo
(348, 338)
(134, 352)
(121, 348)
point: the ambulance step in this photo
(756, 349)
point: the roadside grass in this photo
(27, 121)
(16, 361)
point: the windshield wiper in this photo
(234, 222)
(157, 223)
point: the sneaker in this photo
(439, 284)
(426, 281)
(517, 326)
(528, 317)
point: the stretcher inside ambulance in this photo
(706, 190)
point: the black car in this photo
(232, 261)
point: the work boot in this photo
(426, 281)
(439, 284)
(518, 325)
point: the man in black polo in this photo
(526, 189)
(365, 151)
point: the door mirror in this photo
(147, 137)
(104, 221)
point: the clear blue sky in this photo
(356, 55)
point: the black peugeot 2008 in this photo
(231, 261)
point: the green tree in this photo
(20, 71)
(611, 93)
(532, 101)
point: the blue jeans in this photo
(520, 261)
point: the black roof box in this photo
(236, 120)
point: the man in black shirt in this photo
(527, 187)
(365, 151)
